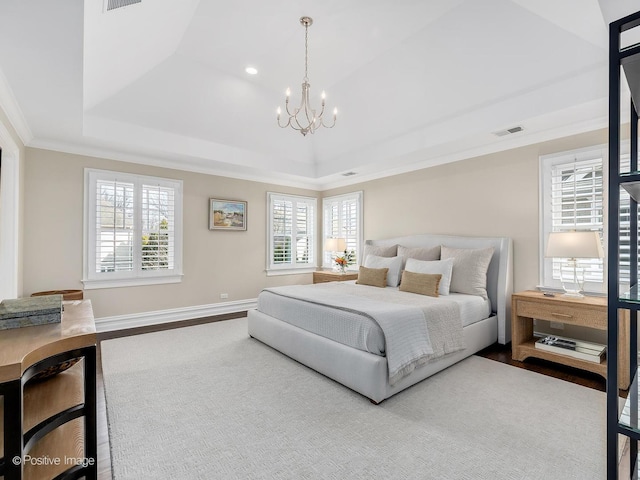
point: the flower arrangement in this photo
(347, 258)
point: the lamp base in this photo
(572, 278)
(573, 294)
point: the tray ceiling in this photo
(416, 83)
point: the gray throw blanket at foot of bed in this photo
(409, 330)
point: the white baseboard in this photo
(144, 319)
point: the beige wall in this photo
(491, 195)
(214, 262)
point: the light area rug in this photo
(209, 402)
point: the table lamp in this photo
(335, 245)
(572, 246)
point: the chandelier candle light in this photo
(304, 118)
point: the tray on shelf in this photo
(591, 352)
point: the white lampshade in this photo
(574, 245)
(335, 245)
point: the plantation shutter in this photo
(114, 226)
(282, 211)
(133, 234)
(292, 238)
(342, 219)
(158, 227)
(625, 237)
(573, 196)
(577, 204)
(304, 220)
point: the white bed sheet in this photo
(352, 329)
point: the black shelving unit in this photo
(624, 65)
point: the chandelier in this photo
(304, 118)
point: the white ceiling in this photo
(416, 82)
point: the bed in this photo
(342, 342)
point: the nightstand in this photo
(325, 276)
(588, 312)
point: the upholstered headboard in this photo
(499, 275)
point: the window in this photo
(292, 234)
(133, 230)
(342, 218)
(572, 198)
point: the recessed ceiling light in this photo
(251, 70)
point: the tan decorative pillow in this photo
(376, 277)
(392, 263)
(422, 283)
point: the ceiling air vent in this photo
(113, 4)
(508, 131)
(349, 174)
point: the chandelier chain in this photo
(306, 53)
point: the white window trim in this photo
(288, 269)
(94, 280)
(360, 240)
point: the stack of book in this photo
(591, 352)
(29, 311)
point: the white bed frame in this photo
(367, 373)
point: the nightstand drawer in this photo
(588, 316)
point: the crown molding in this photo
(13, 111)
(182, 164)
(500, 145)
(330, 181)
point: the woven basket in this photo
(66, 294)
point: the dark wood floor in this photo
(497, 352)
(502, 353)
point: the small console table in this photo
(48, 426)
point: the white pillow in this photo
(469, 269)
(394, 264)
(443, 267)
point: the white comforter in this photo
(416, 328)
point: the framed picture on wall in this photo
(227, 214)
